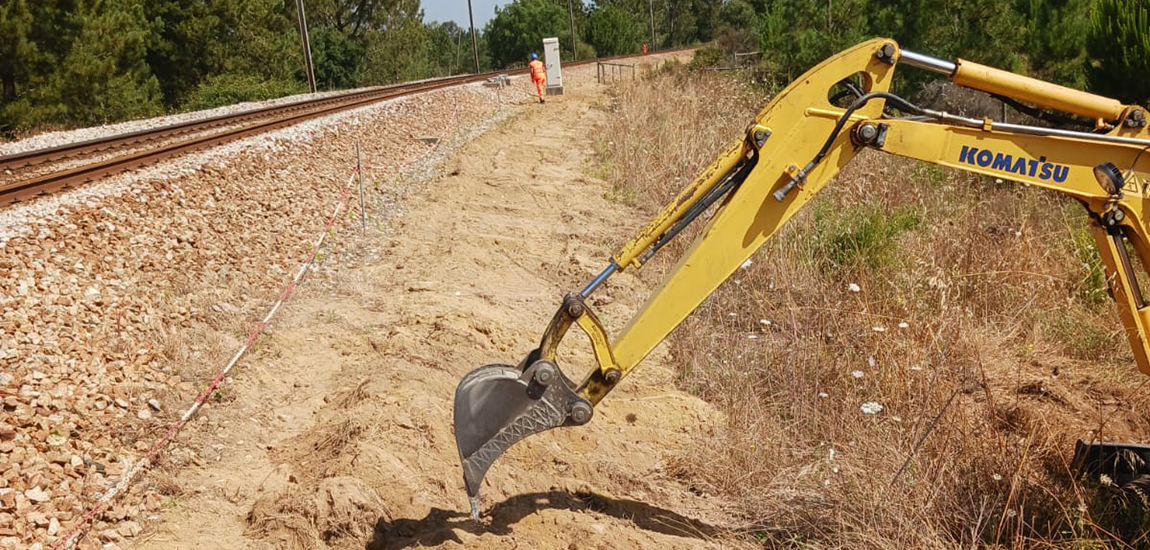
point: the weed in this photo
(598, 167)
(328, 316)
(1079, 333)
(980, 296)
(860, 236)
(930, 175)
(1092, 288)
(622, 195)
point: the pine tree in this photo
(520, 27)
(1055, 39)
(36, 37)
(105, 76)
(17, 51)
(612, 31)
(1118, 50)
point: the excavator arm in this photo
(794, 148)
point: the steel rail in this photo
(279, 116)
(67, 150)
(54, 181)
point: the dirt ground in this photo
(337, 431)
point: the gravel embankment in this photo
(54, 139)
(119, 299)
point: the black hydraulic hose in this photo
(735, 179)
(851, 89)
(852, 86)
(1042, 115)
(899, 103)
(894, 100)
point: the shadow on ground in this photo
(441, 525)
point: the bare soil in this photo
(337, 432)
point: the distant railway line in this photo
(30, 174)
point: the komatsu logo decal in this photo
(1007, 163)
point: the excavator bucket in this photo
(498, 405)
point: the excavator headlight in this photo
(1109, 178)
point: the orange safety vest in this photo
(538, 72)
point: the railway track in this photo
(145, 147)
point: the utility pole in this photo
(306, 45)
(571, 15)
(651, 12)
(474, 47)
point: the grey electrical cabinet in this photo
(551, 61)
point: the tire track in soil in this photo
(340, 435)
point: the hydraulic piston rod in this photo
(928, 63)
(1023, 88)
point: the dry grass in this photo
(327, 447)
(287, 518)
(1010, 352)
(341, 512)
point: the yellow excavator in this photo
(794, 147)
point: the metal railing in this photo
(742, 59)
(609, 72)
(739, 61)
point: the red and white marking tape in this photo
(69, 539)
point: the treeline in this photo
(605, 28)
(90, 61)
(1100, 45)
(82, 62)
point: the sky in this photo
(456, 10)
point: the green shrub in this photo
(861, 235)
(229, 89)
(707, 56)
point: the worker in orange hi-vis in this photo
(538, 74)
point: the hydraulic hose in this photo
(896, 101)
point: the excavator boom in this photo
(793, 148)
